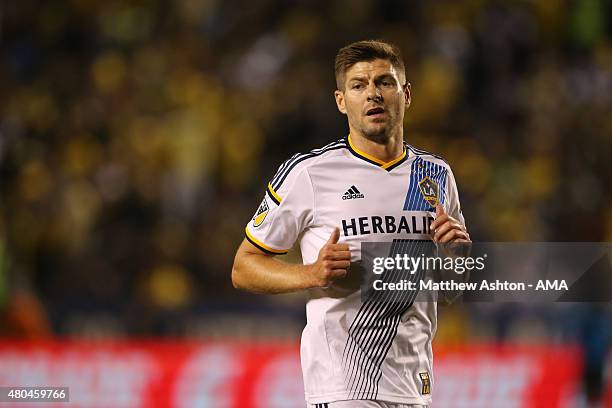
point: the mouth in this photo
(375, 112)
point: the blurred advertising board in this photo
(231, 374)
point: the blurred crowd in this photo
(137, 138)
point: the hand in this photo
(447, 229)
(333, 261)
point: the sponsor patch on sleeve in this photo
(261, 213)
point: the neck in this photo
(386, 151)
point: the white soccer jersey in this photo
(351, 349)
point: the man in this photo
(366, 187)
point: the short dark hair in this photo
(367, 50)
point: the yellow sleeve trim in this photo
(261, 245)
(274, 194)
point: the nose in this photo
(374, 93)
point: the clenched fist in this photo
(333, 261)
(448, 229)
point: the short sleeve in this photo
(283, 214)
(453, 207)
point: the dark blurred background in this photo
(137, 137)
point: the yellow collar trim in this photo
(381, 163)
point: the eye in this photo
(357, 86)
(387, 83)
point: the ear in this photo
(339, 95)
(407, 94)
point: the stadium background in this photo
(136, 140)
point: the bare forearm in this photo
(255, 271)
(265, 274)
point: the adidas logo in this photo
(352, 193)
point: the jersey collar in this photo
(390, 165)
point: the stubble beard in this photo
(381, 135)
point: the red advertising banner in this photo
(232, 375)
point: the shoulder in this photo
(291, 168)
(428, 156)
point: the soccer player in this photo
(369, 186)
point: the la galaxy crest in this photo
(261, 213)
(429, 190)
